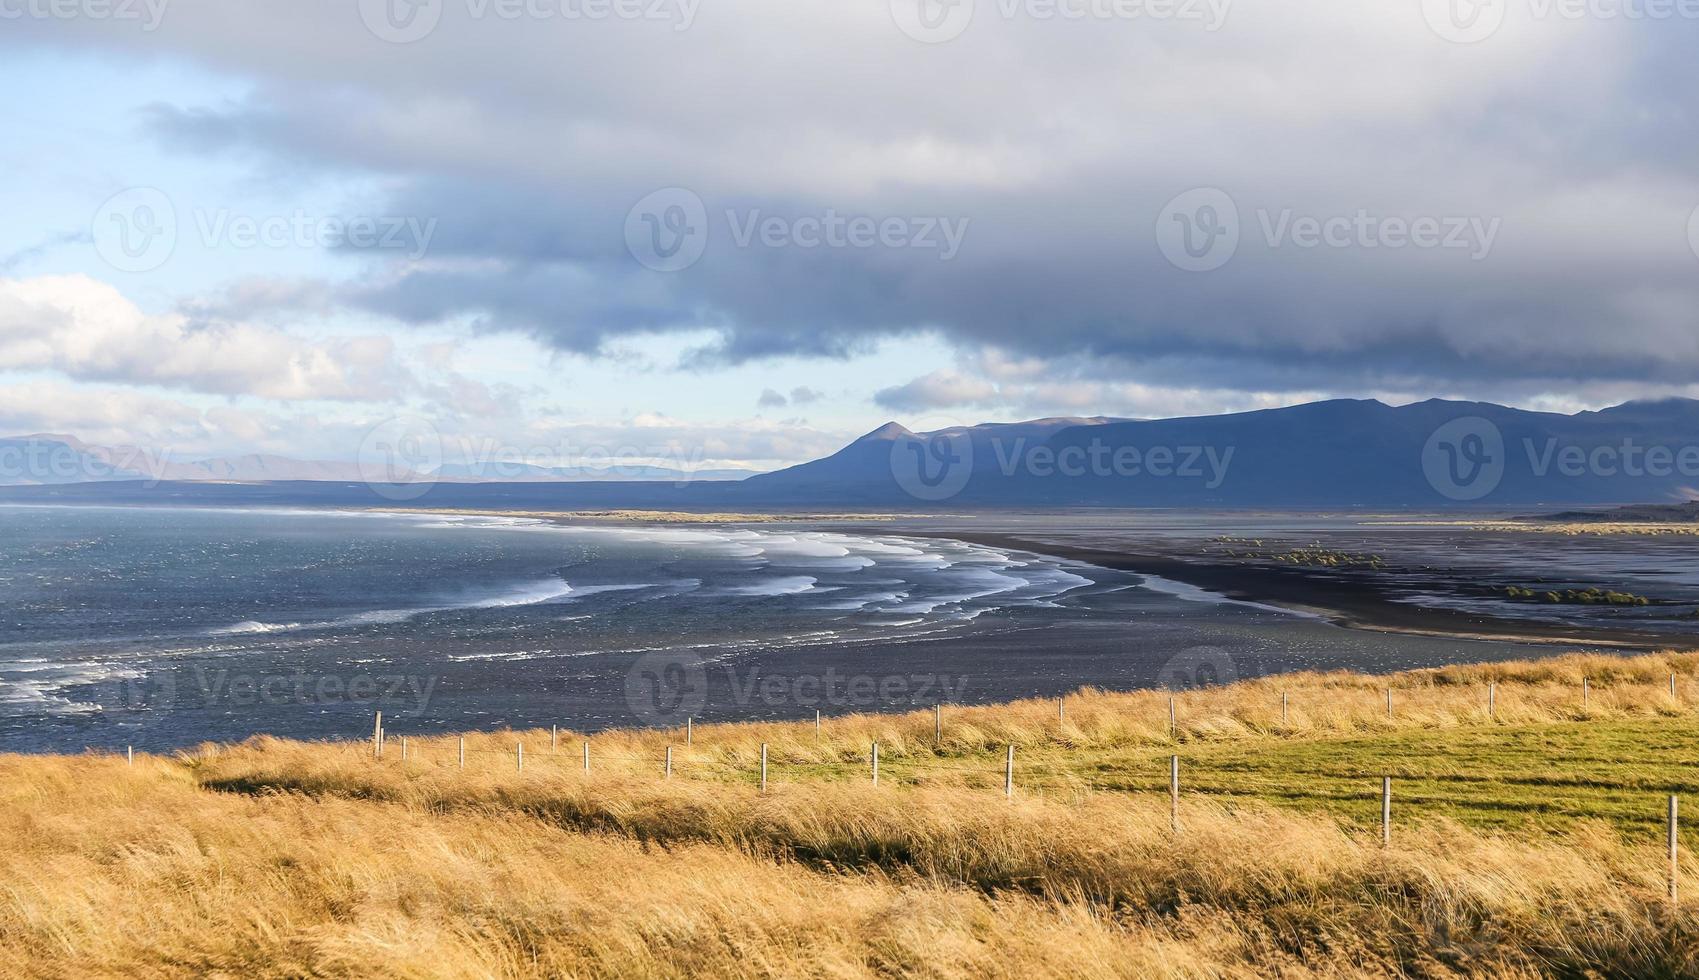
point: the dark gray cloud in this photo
(1054, 149)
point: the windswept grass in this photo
(1527, 842)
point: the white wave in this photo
(528, 594)
(511, 655)
(374, 617)
(584, 590)
(253, 626)
(41, 693)
(861, 602)
(786, 585)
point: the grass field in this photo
(1528, 840)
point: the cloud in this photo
(97, 414)
(176, 429)
(940, 389)
(648, 437)
(266, 297)
(771, 399)
(86, 330)
(804, 395)
(1590, 277)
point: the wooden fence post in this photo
(1009, 773)
(1283, 707)
(1389, 702)
(1584, 692)
(586, 756)
(130, 753)
(1386, 811)
(763, 767)
(377, 737)
(554, 736)
(689, 731)
(1492, 699)
(463, 752)
(1172, 726)
(1174, 793)
(403, 748)
(816, 726)
(1060, 712)
(1674, 804)
(519, 756)
(938, 724)
(1672, 685)
(875, 763)
(669, 762)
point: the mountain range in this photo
(49, 459)
(1343, 452)
(1337, 453)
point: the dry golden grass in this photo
(1319, 705)
(110, 872)
(277, 858)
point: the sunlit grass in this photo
(1527, 841)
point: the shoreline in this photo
(1347, 603)
(1350, 603)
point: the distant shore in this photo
(1353, 603)
(1356, 603)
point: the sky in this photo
(739, 233)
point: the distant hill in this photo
(57, 459)
(1341, 453)
(1333, 453)
(1684, 513)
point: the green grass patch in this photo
(1533, 778)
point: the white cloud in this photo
(939, 389)
(102, 415)
(87, 330)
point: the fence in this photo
(667, 763)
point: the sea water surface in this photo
(163, 627)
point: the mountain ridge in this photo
(1362, 453)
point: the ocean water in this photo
(164, 627)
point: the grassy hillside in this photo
(1527, 840)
